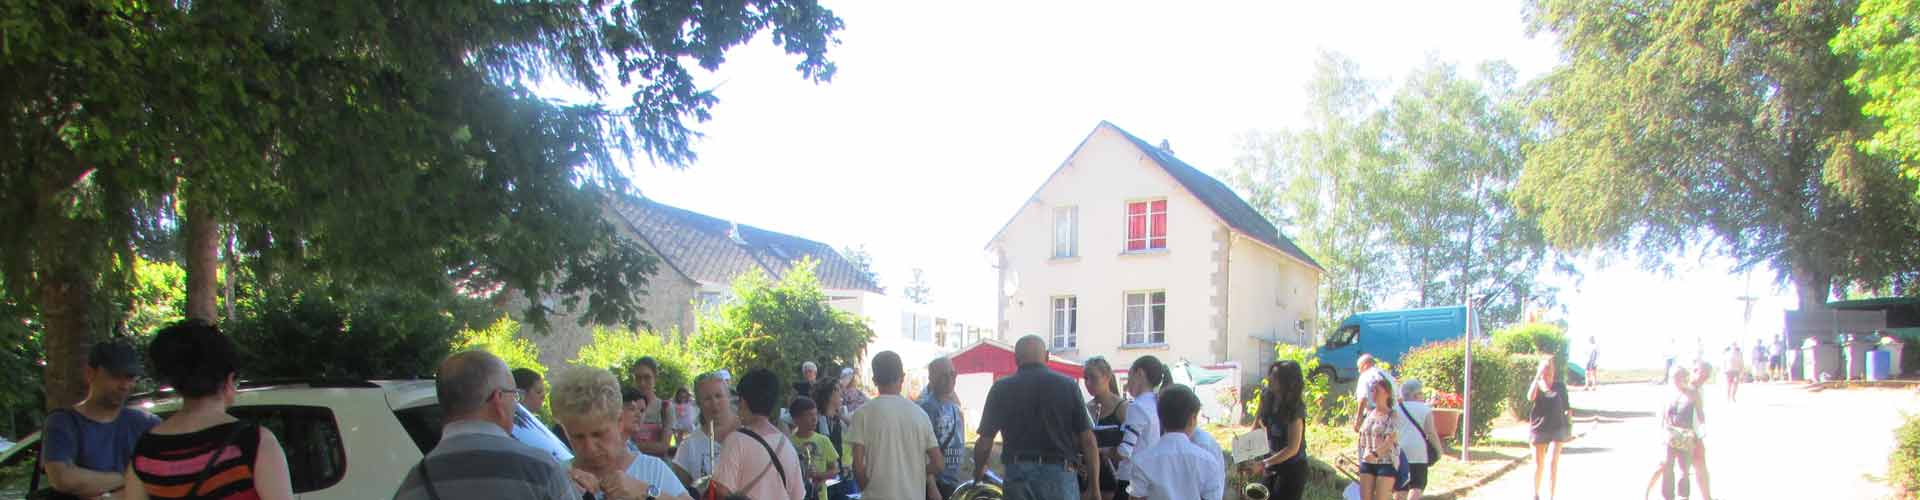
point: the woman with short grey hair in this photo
(587, 403)
(1414, 428)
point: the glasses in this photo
(515, 392)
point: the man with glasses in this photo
(88, 445)
(476, 457)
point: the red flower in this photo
(1446, 400)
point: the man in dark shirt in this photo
(1046, 427)
(87, 446)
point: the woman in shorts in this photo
(1551, 421)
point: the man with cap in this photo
(86, 447)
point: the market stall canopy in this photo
(992, 356)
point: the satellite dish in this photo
(1011, 284)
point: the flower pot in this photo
(1446, 421)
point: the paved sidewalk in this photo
(1842, 453)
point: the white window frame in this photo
(1065, 319)
(1146, 236)
(1150, 332)
(1066, 232)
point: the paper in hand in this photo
(1250, 446)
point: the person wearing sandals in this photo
(1283, 416)
(202, 451)
(1379, 444)
(1551, 420)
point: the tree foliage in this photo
(778, 325)
(617, 349)
(1695, 125)
(317, 332)
(863, 261)
(1405, 200)
(502, 338)
(1885, 41)
(361, 143)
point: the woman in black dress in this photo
(1552, 423)
(1283, 414)
(1108, 410)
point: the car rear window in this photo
(316, 458)
(423, 425)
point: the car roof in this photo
(398, 394)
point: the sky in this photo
(945, 117)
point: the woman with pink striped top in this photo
(201, 451)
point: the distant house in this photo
(700, 257)
(1127, 251)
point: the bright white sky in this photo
(945, 117)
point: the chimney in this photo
(1165, 146)
(733, 233)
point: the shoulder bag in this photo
(1433, 454)
(772, 457)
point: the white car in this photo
(344, 440)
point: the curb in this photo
(1460, 492)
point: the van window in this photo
(1344, 336)
(316, 458)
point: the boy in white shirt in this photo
(1176, 467)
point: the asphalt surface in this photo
(1776, 441)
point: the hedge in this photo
(1904, 464)
(1437, 365)
(1534, 338)
(616, 350)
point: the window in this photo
(1344, 336)
(1066, 322)
(316, 459)
(1146, 225)
(423, 425)
(1066, 232)
(1146, 318)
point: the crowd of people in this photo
(728, 440)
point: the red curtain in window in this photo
(1158, 236)
(1136, 226)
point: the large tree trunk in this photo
(1812, 286)
(64, 292)
(203, 258)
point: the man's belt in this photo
(1038, 458)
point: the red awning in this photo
(990, 356)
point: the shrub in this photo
(1324, 405)
(501, 339)
(1438, 366)
(778, 325)
(1534, 338)
(1904, 464)
(370, 334)
(617, 349)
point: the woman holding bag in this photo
(1419, 443)
(1283, 415)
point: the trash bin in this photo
(1895, 348)
(1856, 357)
(1821, 360)
(1877, 364)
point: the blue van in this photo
(1386, 335)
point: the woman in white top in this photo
(1141, 428)
(586, 401)
(1414, 442)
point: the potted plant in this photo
(1446, 413)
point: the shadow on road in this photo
(1610, 414)
(1582, 450)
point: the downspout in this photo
(1226, 299)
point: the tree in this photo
(1707, 126)
(917, 290)
(1405, 202)
(502, 338)
(778, 325)
(1885, 41)
(616, 350)
(862, 261)
(355, 143)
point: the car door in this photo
(310, 436)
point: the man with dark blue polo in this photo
(1047, 430)
(87, 446)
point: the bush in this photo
(1904, 464)
(1534, 338)
(503, 340)
(617, 349)
(1438, 366)
(1324, 405)
(373, 334)
(778, 326)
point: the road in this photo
(1776, 441)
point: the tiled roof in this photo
(706, 248)
(1221, 199)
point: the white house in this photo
(1127, 251)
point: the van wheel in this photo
(1325, 373)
